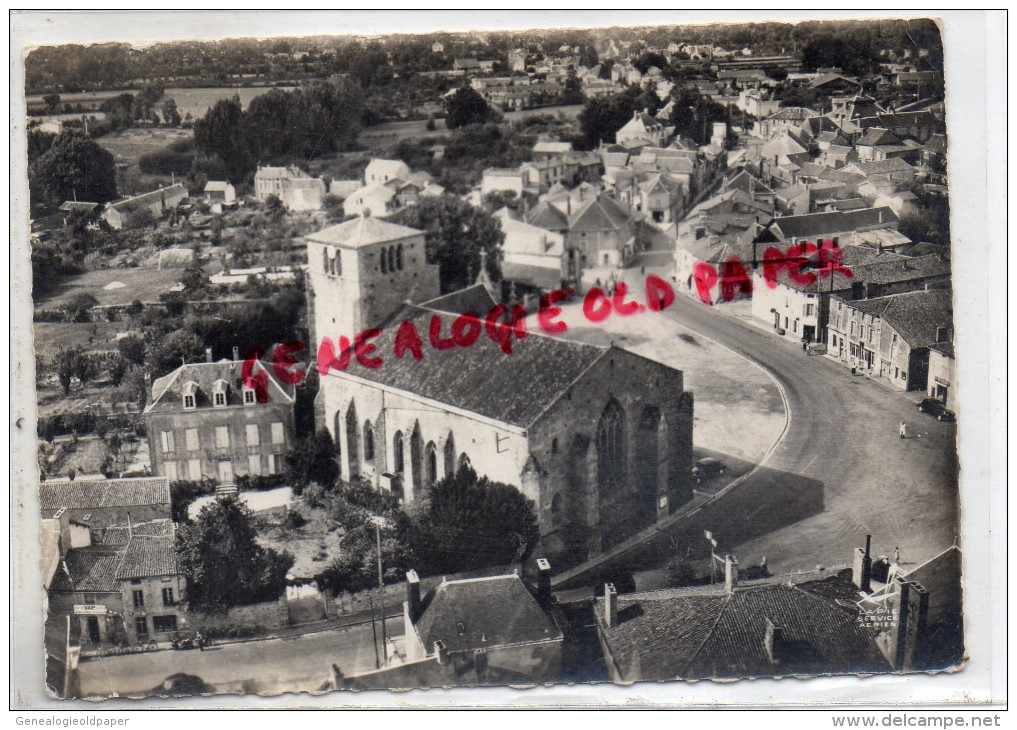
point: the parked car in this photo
(935, 407)
(707, 468)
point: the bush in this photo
(183, 493)
(363, 495)
(294, 520)
(680, 572)
(166, 162)
(248, 483)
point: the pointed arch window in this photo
(399, 257)
(368, 441)
(398, 461)
(432, 463)
(384, 260)
(449, 454)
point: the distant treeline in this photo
(70, 68)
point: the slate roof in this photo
(747, 182)
(915, 316)
(484, 612)
(82, 494)
(273, 173)
(869, 267)
(547, 216)
(539, 277)
(362, 232)
(217, 186)
(811, 225)
(122, 535)
(168, 391)
(704, 632)
(474, 298)
(599, 214)
(481, 378)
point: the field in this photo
(52, 337)
(197, 101)
(313, 545)
(129, 145)
(142, 283)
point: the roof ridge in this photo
(707, 634)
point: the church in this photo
(599, 438)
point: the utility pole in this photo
(374, 632)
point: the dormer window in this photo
(190, 394)
(219, 389)
(250, 397)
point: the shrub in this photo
(294, 520)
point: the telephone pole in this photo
(381, 589)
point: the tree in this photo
(601, 118)
(356, 567)
(471, 522)
(170, 351)
(52, 102)
(220, 134)
(132, 348)
(456, 233)
(465, 107)
(573, 88)
(79, 307)
(223, 562)
(170, 114)
(313, 459)
(73, 167)
(333, 206)
(680, 572)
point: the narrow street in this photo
(840, 472)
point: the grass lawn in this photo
(142, 283)
(314, 545)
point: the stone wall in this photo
(268, 615)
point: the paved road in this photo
(840, 472)
(275, 665)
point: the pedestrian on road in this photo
(199, 640)
(903, 430)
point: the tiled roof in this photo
(484, 612)
(547, 216)
(217, 186)
(554, 148)
(915, 316)
(146, 556)
(881, 167)
(878, 136)
(169, 195)
(91, 569)
(827, 78)
(811, 225)
(122, 535)
(362, 232)
(474, 298)
(81, 494)
(705, 632)
(168, 391)
(481, 378)
(794, 113)
(272, 173)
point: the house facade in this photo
(156, 203)
(205, 421)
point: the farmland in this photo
(197, 101)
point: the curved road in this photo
(839, 473)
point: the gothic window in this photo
(391, 258)
(352, 447)
(611, 448)
(464, 462)
(397, 452)
(324, 260)
(399, 257)
(432, 463)
(556, 509)
(384, 260)
(449, 454)
(368, 441)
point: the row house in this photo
(205, 421)
(891, 337)
(800, 309)
(942, 373)
(124, 588)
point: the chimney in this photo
(773, 640)
(912, 612)
(441, 652)
(880, 215)
(730, 573)
(208, 354)
(610, 605)
(413, 595)
(861, 570)
(236, 353)
(543, 582)
(148, 385)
